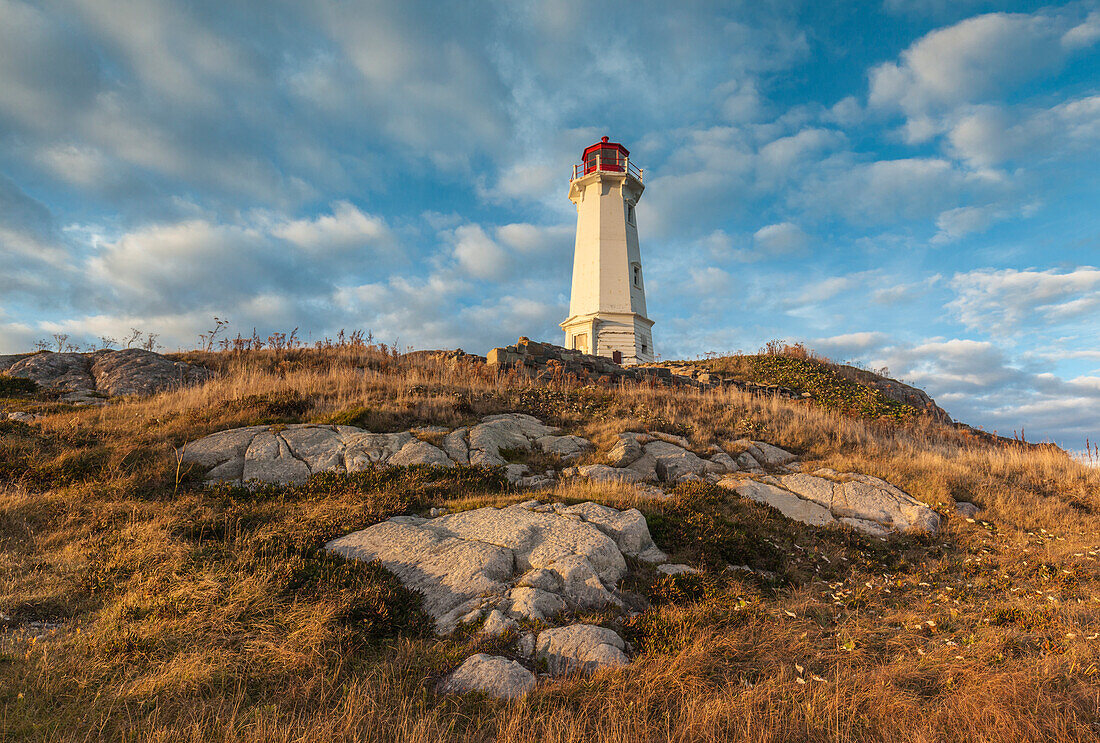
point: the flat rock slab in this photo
(489, 674)
(130, 371)
(784, 501)
(862, 502)
(526, 561)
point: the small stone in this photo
(497, 624)
(516, 472)
(966, 510)
(770, 455)
(525, 645)
(676, 569)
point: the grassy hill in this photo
(138, 605)
(846, 389)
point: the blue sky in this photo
(913, 185)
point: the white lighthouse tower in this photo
(607, 315)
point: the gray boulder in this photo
(489, 674)
(627, 450)
(566, 447)
(580, 648)
(269, 459)
(420, 452)
(131, 371)
(134, 371)
(673, 462)
(862, 502)
(65, 372)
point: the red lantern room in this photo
(606, 157)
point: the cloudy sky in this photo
(908, 184)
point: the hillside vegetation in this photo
(139, 605)
(846, 389)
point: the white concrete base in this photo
(628, 333)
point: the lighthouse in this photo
(607, 314)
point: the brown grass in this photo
(142, 607)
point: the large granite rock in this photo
(131, 371)
(491, 675)
(64, 372)
(529, 561)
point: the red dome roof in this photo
(604, 144)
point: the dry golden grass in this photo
(143, 607)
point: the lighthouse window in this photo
(630, 213)
(637, 276)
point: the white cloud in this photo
(709, 281)
(904, 292)
(954, 223)
(478, 255)
(886, 191)
(781, 239)
(529, 239)
(969, 61)
(990, 135)
(346, 228)
(979, 383)
(847, 345)
(1007, 300)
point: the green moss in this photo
(828, 387)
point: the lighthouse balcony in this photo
(607, 164)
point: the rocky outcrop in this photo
(290, 454)
(662, 457)
(91, 376)
(525, 562)
(501, 567)
(755, 470)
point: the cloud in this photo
(886, 191)
(904, 292)
(969, 61)
(1006, 301)
(199, 263)
(847, 345)
(478, 255)
(955, 223)
(346, 228)
(709, 281)
(980, 383)
(991, 135)
(781, 239)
